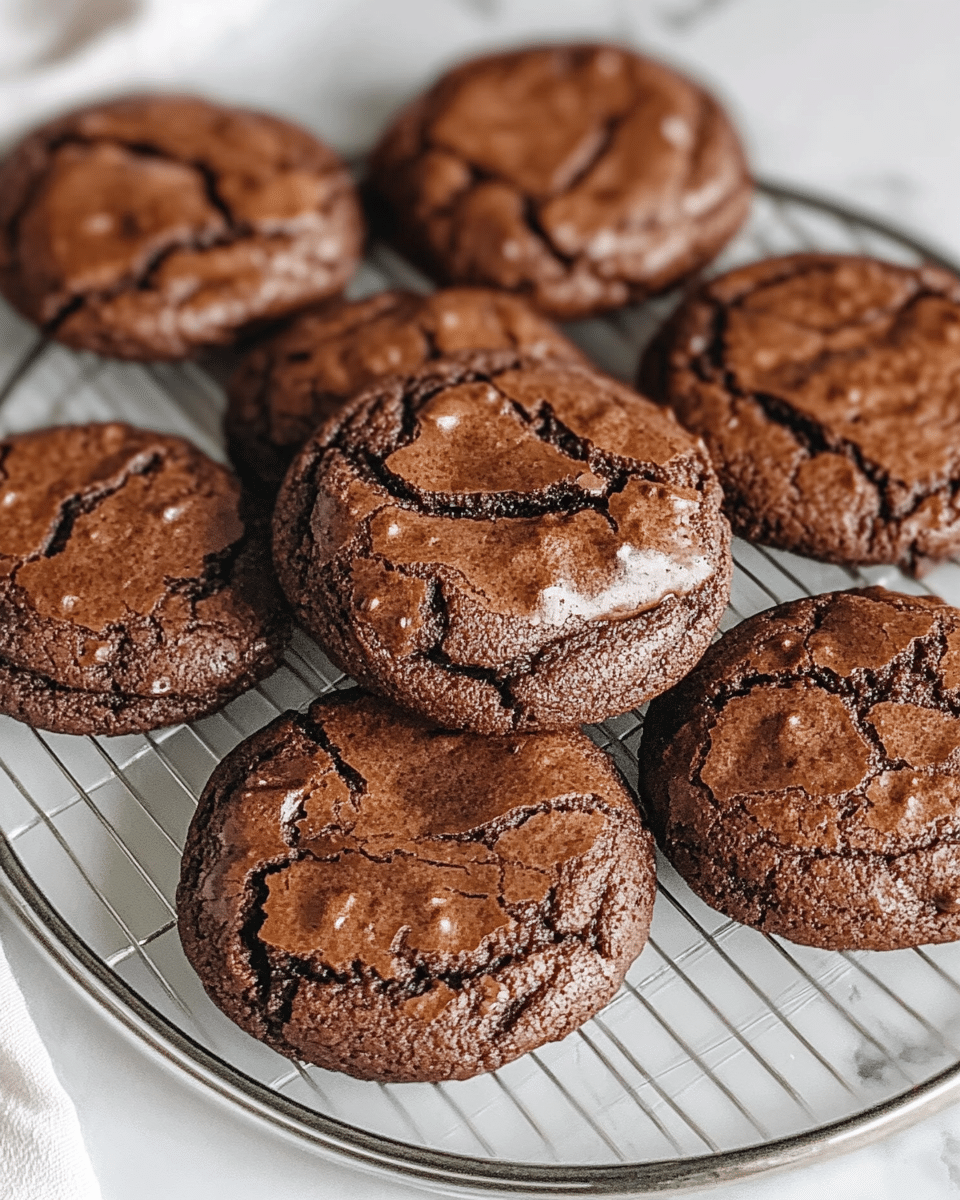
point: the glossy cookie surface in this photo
(365, 893)
(804, 777)
(291, 383)
(135, 590)
(827, 389)
(585, 177)
(499, 543)
(152, 226)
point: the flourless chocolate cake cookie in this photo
(152, 226)
(586, 177)
(805, 777)
(499, 543)
(363, 892)
(827, 389)
(135, 591)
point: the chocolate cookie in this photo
(284, 389)
(152, 226)
(133, 591)
(827, 389)
(365, 893)
(586, 177)
(501, 544)
(805, 778)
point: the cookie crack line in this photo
(235, 231)
(257, 892)
(790, 270)
(218, 569)
(354, 780)
(431, 343)
(882, 761)
(846, 851)
(566, 497)
(556, 498)
(821, 678)
(149, 149)
(85, 502)
(422, 977)
(11, 227)
(865, 691)
(523, 666)
(210, 182)
(487, 833)
(609, 127)
(810, 433)
(143, 281)
(145, 149)
(439, 657)
(218, 566)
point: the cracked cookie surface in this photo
(134, 589)
(500, 543)
(586, 177)
(827, 389)
(375, 896)
(805, 777)
(287, 386)
(155, 225)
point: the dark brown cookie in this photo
(503, 544)
(365, 893)
(288, 385)
(827, 390)
(155, 225)
(586, 177)
(805, 778)
(133, 591)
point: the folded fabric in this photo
(42, 1156)
(56, 54)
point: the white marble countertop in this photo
(858, 99)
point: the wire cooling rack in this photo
(726, 1052)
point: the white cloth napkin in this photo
(42, 1156)
(56, 54)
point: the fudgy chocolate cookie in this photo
(501, 544)
(134, 593)
(151, 226)
(288, 385)
(805, 778)
(586, 177)
(827, 389)
(365, 893)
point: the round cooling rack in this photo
(724, 1054)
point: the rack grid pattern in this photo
(721, 1038)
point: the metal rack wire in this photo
(726, 1052)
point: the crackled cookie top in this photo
(460, 528)
(290, 384)
(827, 388)
(127, 567)
(353, 861)
(806, 777)
(583, 176)
(150, 226)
